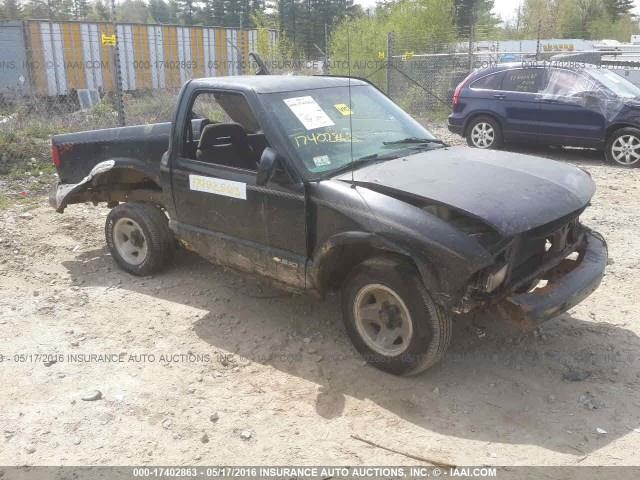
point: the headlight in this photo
(494, 279)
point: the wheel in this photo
(623, 147)
(484, 132)
(139, 238)
(391, 319)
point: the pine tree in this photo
(212, 12)
(618, 8)
(80, 9)
(100, 11)
(160, 11)
(469, 13)
(11, 10)
(232, 12)
(187, 11)
(303, 22)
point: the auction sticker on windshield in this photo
(310, 114)
(343, 108)
(321, 161)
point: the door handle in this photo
(499, 96)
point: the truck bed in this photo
(80, 152)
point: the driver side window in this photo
(565, 83)
(224, 131)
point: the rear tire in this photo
(391, 319)
(139, 238)
(623, 147)
(484, 132)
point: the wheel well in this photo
(127, 176)
(116, 186)
(613, 128)
(340, 261)
(480, 114)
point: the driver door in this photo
(220, 212)
(572, 112)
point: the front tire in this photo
(623, 147)
(484, 132)
(139, 238)
(391, 319)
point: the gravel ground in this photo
(208, 366)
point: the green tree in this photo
(539, 17)
(99, 11)
(160, 11)
(49, 9)
(187, 11)
(618, 8)
(80, 9)
(418, 26)
(132, 11)
(212, 12)
(11, 10)
(307, 23)
(477, 14)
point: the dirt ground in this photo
(218, 368)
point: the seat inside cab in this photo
(224, 131)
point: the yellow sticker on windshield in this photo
(343, 109)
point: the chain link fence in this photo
(58, 77)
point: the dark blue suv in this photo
(551, 104)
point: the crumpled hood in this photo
(511, 192)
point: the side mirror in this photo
(268, 163)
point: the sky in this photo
(504, 8)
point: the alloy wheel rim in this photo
(625, 150)
(129, 240)
(382, 320)
(483, 135)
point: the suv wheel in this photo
(139, 238)
(623, 147)
(484, 132)
(391, 319)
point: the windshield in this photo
(320, 125)
(614, 82)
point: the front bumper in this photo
(563, 290)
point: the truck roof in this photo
(275, 83)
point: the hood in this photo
(510, 192)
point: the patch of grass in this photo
(153, 107)
(20, 151)
(4, 201)
(41, 130)
(437, 115)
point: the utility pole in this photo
(472, 30)
(538, 40)
(389, 60)
(117, 80)
(326, 50)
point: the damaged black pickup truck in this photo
(324, 184)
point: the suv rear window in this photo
(488, 82)
(528, 80)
